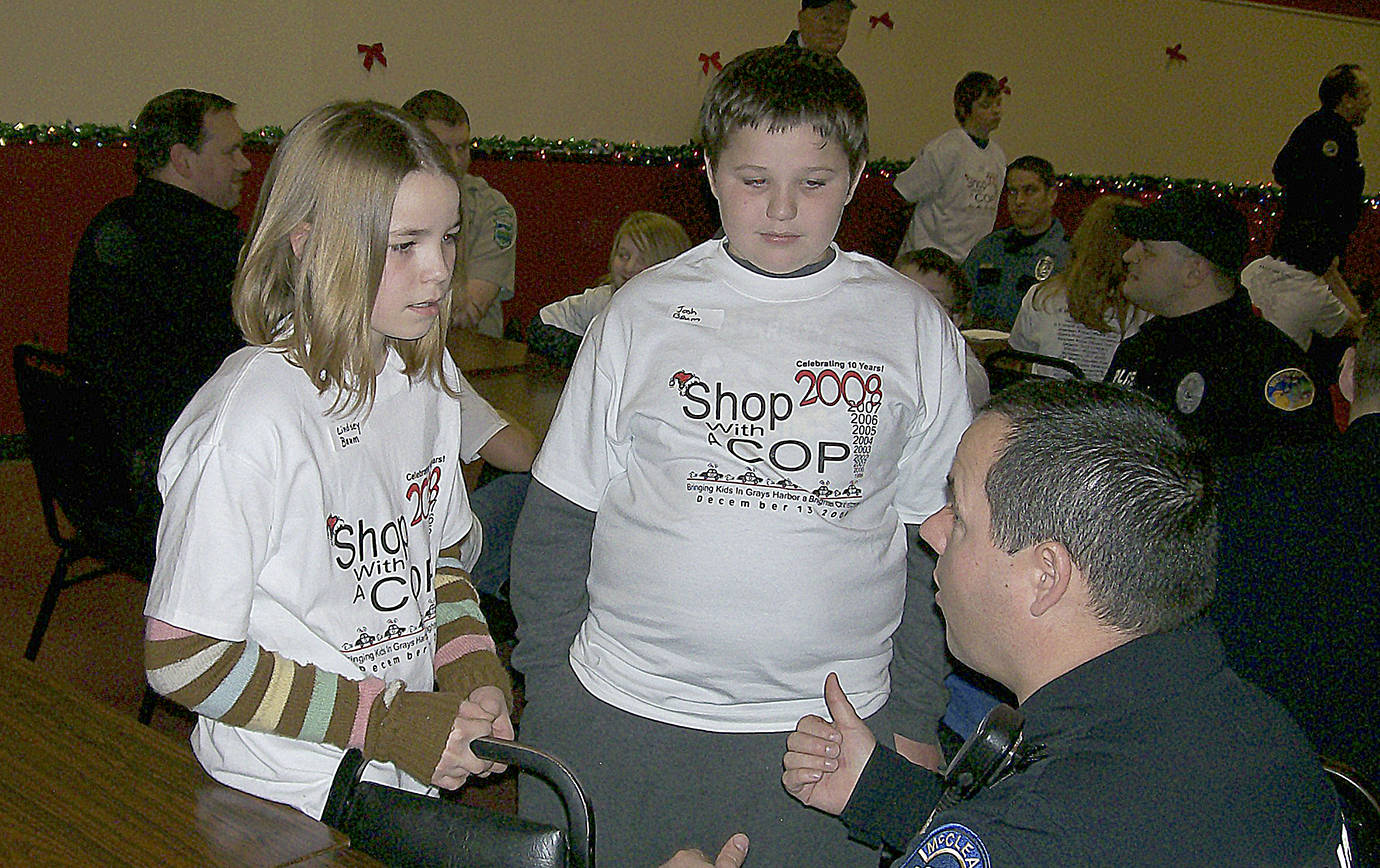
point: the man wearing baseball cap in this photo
(1234, 378)
(823, 25)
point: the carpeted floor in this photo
(94, 638)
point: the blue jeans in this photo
(497, 504)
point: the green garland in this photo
(634, 153)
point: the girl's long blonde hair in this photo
(657, 236)
(1093, 278)
(336, 175)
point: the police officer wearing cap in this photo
(823, 25)
(1234, 379)
(1320, 166)
(1005, 264)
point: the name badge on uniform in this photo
(1330, 148)
(1189, 393)
(1044, 267)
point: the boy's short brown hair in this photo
(782, 87)
(971, 88)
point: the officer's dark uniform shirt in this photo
(1298, 585)
(1230, 376)
(1005, 264)
(1321, 172)
(150, 313)
(150, 301)
(1155, 754)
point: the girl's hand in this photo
(483, 713)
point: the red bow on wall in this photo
(884, 19)
(711, 60)
(372, 53)
(1174, 52)
(1001, 85)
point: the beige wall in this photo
(1092, 89)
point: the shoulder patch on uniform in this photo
(1189, 393)
(952, 845)
(1044, 267)
(1290, 389)
(504, 223)
(116, 244)
(1329, 148)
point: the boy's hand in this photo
(731, 856)
(824, 760)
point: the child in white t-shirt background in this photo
(312, 481)
(723, 507)
(946, 280)
(643, 239)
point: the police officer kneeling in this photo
(1075, 558)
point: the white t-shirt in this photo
(574, 313)
(479, 421)
(1298, 302)
(1046, 328)
(312, 535)
(752, 447)
(956, 187)
(979, 387)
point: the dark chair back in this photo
(1360, 801)
(1007, 366)
(77, 461)
(399, 827)
(82, 471)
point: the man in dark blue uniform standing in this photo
(1320, 166)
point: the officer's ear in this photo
(1051, 581)
(1198, 270)
(1346, 380)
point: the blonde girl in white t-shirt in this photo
(311, 483)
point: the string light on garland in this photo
(572, 150)
(101, 135)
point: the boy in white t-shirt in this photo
(956, 180)
(721, 509)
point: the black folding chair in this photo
(1007, 366)
(408, 828)
(1360, 801)
(80, 469)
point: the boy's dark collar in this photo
(808, 270)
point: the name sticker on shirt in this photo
(950, 846)
(1290, 389)
(710, 319)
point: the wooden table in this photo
(527, 394)
(81, 784)
(475, 352)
